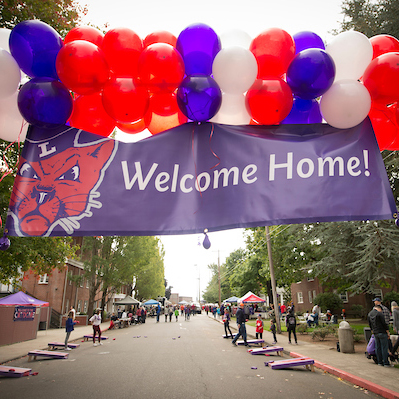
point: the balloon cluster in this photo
(96, 82)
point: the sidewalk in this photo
(20, 349)
(352, 367)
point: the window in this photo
(314, 294)
(67, 306)
(43, 279)
(310, 296)
(310, 278)
(81, 283)
(344, 297)
(87, 283)
(86, 303)
(300, 297)
(79, 309)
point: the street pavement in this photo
(354, 367)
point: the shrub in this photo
(358, 310)
(328, 300)
(321, 333)
(302, 328)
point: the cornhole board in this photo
(90, 336)
(286, 363)
(53, 345)
(47, 354)
(251, 342)
(14, 372)
(267, 350)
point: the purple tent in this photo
(20, 298)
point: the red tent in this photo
(20, 298)
(250, 297)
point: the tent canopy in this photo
(127, 300)
(232, 299)
(183, 302)
(250, 297)
(151, 302)
(20, 298)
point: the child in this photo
(96, 321)
(259, 327)
(290, 322)
(69, 328)
(177, 313)
(273, 330)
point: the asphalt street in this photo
(184, 359)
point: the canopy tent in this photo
(20, 298)
(250, 297)
(150, 302)
(183, 302)
(232, 299)
(127, 300)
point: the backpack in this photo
(291, 320)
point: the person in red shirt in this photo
(259, 327)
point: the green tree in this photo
(62, 15)
(329, 300)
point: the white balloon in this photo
(234, 69)
(5, 38)
(235, 37)
(13, 127)
(351, 52)
(10, 74)
(232, 111)
(345, 104)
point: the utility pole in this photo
(273, 281)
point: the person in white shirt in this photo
(72, 309)
(95, 320)
(316, 311)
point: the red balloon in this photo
(273, 49)
(134, 127)
(384, 44)
(160, 37)
(164, 104)
(385, 124)
(160, 123)
(81, 66)
(269, 101)
(161, 67)
(381, 78)
(89, 114)
(122, 48)
(87, 33)
(124, 101)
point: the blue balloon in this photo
(198, 44)
(199, 97)
(45, 102)
(306, 39)
(311, 73)
(35, 46)
(303, 112)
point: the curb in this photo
(361, 382)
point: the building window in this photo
(70, 282)
(310, 296)
(81, 283)
(314, 294)
(67, 306)
(310, 278)
(79, 309)
(43, 279)
(344, 297)
(87, 283)
(86, 303)
(300, 297)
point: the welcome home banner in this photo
(197, 177)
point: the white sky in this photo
(185, 260)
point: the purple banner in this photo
(24, 313)
(193, 177)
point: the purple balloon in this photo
(35, 46)
(45, 102)
(207, 242)
(305, 40)
(304, 112)
(198, 44)
(311, 73)
(199, 97)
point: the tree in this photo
(329, 300)
(62, 15)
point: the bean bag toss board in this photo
(287, 363)
(267, 350)
(14, 372)
(53, 345)
(251, 342)
(47, 354)
(90, 336)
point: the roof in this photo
(127, 300)
(20, 298)
(250, 297)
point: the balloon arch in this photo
(96, 82)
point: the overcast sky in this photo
(185, 261)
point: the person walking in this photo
(69, 328)
(95, 320)
(380, 330)
(226, 320)
(158, 311)
(242, 330)
(177, 313)
(290, 322)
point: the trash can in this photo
(345, 337)
(42, 325)
(367, 333)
